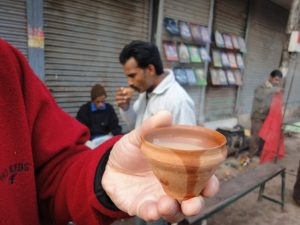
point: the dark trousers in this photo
(256, 143)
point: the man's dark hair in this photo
(145, 53)
(276, 73)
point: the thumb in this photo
(160, 119)
(129, 144)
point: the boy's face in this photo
(99, 101)
(138, 78)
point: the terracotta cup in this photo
(128, 91)
(183, 158)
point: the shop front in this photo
(82, 44)
(266, 36)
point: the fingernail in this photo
(215, 182)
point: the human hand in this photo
(123, 97)
(279, 89)
(132, 186)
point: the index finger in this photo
(212, 187)
(120, 90)
(160, 119)
(193, 206)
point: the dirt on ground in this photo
(247, 210)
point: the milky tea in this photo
(185, 144)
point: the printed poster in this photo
(185, 31)
(200, 76)
(190, 76)
(227, 41)
(219, 40)
(216, 58)
(180, 75)
(214, 76)
(171, 26)
(230, 77)
(170, 51)
(194, 54)
(222, 77)
(184, 55)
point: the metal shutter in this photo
(294, 98)
(83, 40)
(265, 43)
(190, 11)
(13, 23)
(230, 17)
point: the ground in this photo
(247, 210)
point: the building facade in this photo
(74, 44)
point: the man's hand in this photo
(123, 97)
(132, 186)
(279, 89)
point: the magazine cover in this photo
(201, 79)
(190, 76)
(196, 33)
(171, 26)
(225, 60)
(180, 75)
(194, 54)
(242, 45)
(204, 54)
(185, 31)
(227, 41)
(222, 77)
(230, 77)
(219, 39)
(238, 77)
(240, 61)
(204, 34)
(232, 60)
(235, 42)
(216, 58)
(170, 51)
(184, 56)
(214, 76)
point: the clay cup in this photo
(183, 158)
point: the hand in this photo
(132, 186)
(123, 97)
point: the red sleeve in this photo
(64, 167)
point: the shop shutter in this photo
(294, 98)
(230, 17)
(13, 23)
(265, 43)
(189, 11)
(83, 40)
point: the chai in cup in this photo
(183, 158)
